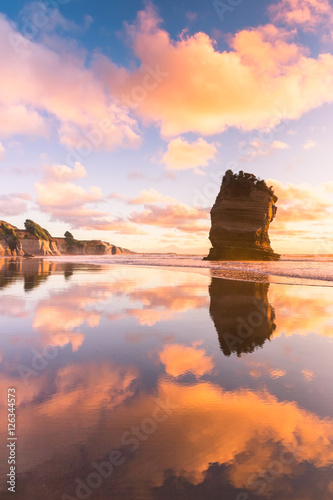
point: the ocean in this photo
(291, 269)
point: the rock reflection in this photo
(242, 314)
(32, 271)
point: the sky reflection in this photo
(97, 352)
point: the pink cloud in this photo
(178, 216)
(2, 152)
(263, 78)
(13, 204)
(56, 192)
(306, 13)
(56, 91)
(66, 201)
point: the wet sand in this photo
(136, 383)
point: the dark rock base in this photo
(234, 253)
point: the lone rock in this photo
(241, 215)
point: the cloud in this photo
(18, 119)
(279, 145)
(12, 306)
(182, 155)
(56, 193)
(307, 14)
(308, 375)
(63, 173)
(55, 321)
(179, 359)
(57, 92)
(13, 204)
(191, 16)
(310, 144)
(38, 18)
(2, 152)
(163, 303)
(69, 202)
(147, 317)
(302, 204)
(150, 196)
(256, 148)
(178, 216)
(264, 77)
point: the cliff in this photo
(240, 219)
(10, 243)
(92, 247)
(35, 240)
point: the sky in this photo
(119, 119)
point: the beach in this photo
(138, 381)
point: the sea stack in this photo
(241, 215)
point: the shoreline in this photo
(246, 271)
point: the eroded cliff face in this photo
(10, 243)
(240, 219)
(93, 247)
(17, 242)
(36, 246)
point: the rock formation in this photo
(243, 317)
(241, 215)
(35, 240)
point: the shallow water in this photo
(291, 269)
(142, 383)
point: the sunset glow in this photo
(119, 125)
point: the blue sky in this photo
(120, 118)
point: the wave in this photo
(291, 269)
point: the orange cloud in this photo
(182, 155)
(317, 311)
(179, 359)
(262, 79)
(301, 204)
(147, 317)
(150, 196)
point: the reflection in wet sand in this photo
(302, 310)
(242, 314)
(100, 391)
(34, 271)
